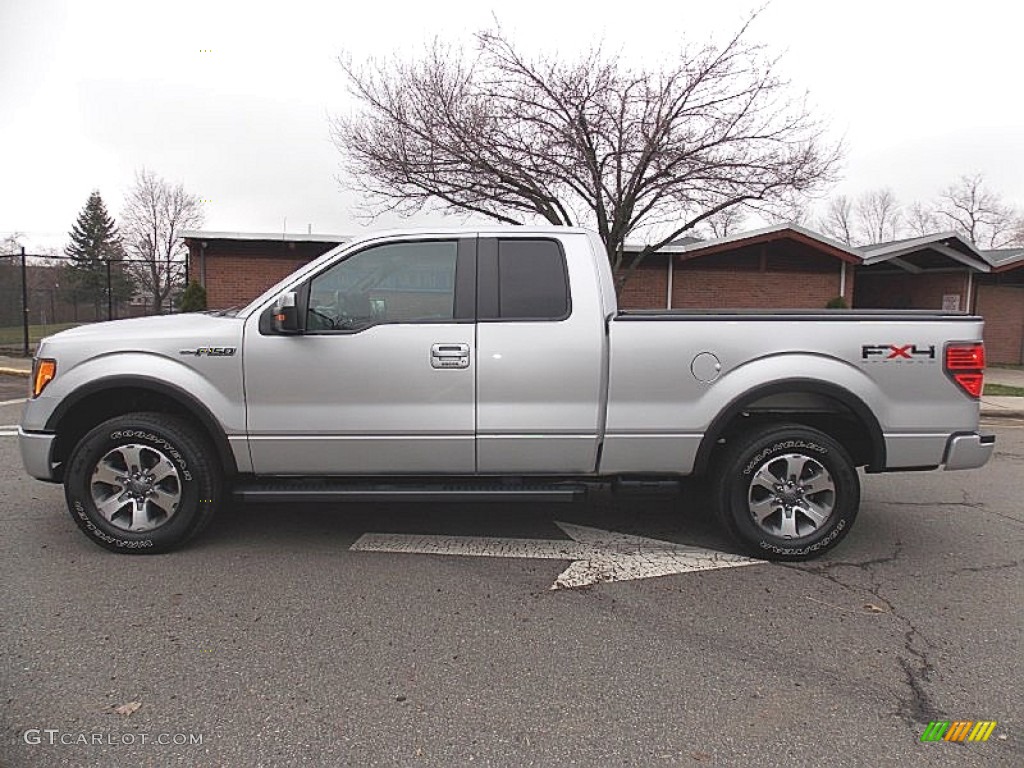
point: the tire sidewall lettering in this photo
(780, 447)
(824, 542)
(95, 532)
(170, 449)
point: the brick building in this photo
(1000, 300)
(784, 266)
(933, 272)
(236, 267)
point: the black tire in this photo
(754, 472)
(177, 506)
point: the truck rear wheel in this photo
(786, 492)
(142, 483)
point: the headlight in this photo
(43, 371)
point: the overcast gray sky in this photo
(233, 99)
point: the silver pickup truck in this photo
(494, 364)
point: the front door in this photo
(383, 380)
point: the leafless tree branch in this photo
(590, 140)
(154, 215)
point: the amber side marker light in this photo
(965, 364)
(43, 371)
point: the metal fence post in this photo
(110, 294)
(24, 303)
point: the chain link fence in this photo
(43, 294)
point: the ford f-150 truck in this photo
(494, 364)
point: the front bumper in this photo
(968, 451)
(35, 454)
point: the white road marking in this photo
(597, 555)
(8, 433)
(13, 402)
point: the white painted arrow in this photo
(598, 555)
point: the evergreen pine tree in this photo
(95, 242)
(193, 298)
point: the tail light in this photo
(965, 364)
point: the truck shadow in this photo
(683, 518)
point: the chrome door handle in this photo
(449, 356)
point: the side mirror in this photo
(286, 314)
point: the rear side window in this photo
(532, 280)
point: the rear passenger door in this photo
(540, 356)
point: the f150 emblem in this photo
(209, 351)
(883, 352)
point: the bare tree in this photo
(838, 220)
(978, 213)
(155, 213)
(880, 216)
(725, 222)
(591, 140)
(921, 220)
(873, 217)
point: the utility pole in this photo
(24, 303)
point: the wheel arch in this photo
(818, 404)
(102, 399)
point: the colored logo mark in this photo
(958, 730)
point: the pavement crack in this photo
(982, 507)
(965, 501)
(916, 707)
(984, 568)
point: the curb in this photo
(15, 372)
(999, 415)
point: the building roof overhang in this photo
(280, 237)
(1004, 259)
(917, 254)
(788, 231)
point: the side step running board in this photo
(285, 491)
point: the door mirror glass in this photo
(286, 314)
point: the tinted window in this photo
(532, 281)
(394, 283)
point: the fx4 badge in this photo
(209, 351)
(882, 353)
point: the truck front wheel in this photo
(142, 483)
(786, 492)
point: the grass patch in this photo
(12, 334)
(1003, 390)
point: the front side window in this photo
(393, 283)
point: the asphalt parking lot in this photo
(12, 388)
(275, 644)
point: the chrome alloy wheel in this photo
(135, 487)
(791, 496)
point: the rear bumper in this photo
(35, 454)
(968, 451)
